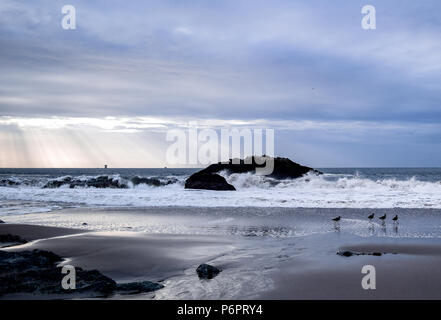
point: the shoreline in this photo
(243, 221)
(252, 268)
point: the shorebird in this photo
(336, 219)
(371, 216)
(395, 218)
(383, 217)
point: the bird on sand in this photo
(336, 219)
(383, 217)
(371, 216)
(395, 218)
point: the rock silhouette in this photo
(208, 178)
(206, 271)
(208, 181)
(36, 272)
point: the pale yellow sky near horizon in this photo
(75, 148)
(140, 142)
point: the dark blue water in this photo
(34, 175)
(58, 172)
(337, 188)
(401, 174)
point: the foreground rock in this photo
(347, 253)
(206, 271)
(36, 272)
(8, 240)
(208, 179)
(11, 238)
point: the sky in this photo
(335, 94)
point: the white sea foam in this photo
(310, 191)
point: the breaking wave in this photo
(314, 182)
(103, 181)
(309, 191)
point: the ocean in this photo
(25, 191)
(265, 229)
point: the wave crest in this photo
(313, 182)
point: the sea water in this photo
(23, 190)
(156, 201)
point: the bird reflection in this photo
(337, 223)
(395, 220)
(371, 228)
(383, 227)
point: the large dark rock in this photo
(208, 181)
(284, 168)
(206, 271)
(11, 262)
(1, 221)
(207, 178)
(36, 272)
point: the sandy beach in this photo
(405, 270)
(253, 267)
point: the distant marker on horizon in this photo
(105, 166)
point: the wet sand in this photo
(407, 269)
(309, 267)
(34, 232)
(122, 256)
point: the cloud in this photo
(183, 30)
(255, 58)
(296, 66)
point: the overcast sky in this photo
(335, 94)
